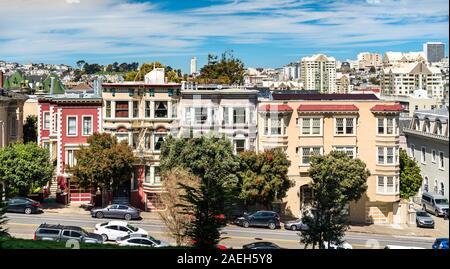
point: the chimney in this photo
(1, 79)
(52, 85)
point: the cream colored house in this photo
(359, 124)
(11, 117)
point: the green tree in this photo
(3, 218)
(337, 180)
(227, 70)
(374, 81)
(211, 159)
(24, 167)
(264, 176)
(172, 75)
(410, 177)
(104, 164)
(30, 129)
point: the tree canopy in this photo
(211, 159)
(336, 181)
(171, 74)
(104, 164)
(226, 70)
(264, 176)
(410, 177)
(24, 167)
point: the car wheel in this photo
(99, 215)
(127, 216)
(105, 237)
(27, 211)
(245, 224)
(272, 226)
(424, 208)
(436, 212)
(294, 228)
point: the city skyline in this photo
(269, 33)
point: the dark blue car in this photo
(440, 243)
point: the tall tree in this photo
(173, 217)
(81, 64)
(24, 167)
(410, 177)
(212, 160)
(145, 68)
(30, 129)
(104, 164)
(227, 70)
(264, 176)
(337, 180)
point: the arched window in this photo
(438, 129)
(442, 189)
(435, 186)
(416, 124)
(425, 184)
(427, 126)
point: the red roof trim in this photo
(396, 107)
(312, 108)
(281, 108)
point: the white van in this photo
(434, 203)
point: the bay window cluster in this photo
(307, 152)
(387, 126)
(131, 109)
(387, 155)
(311, 126)
(345, 126)
(274, 125)
(388, 185)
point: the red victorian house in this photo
(65, 122)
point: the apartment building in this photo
(65, 121)
(366, 60)
(405, 78)
(428, 143)
(392, 59)
(142, 113)
(434, 51)
(343, 83)
(318, 73)
(11, 117)
(227, 112)
(359, 124)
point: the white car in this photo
(141, 241)
(344, 245)
(115, 229)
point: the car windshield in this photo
(441, 201)
(154, 239)
(84, 232)
(104, 224)
(134, 229)
(422, 214)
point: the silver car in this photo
(117, 211)
(424, 220)
(436, 204)
(295, 225)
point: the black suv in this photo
(260, 218)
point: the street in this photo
(23, 226)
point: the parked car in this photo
(436, 204)
(440, 243)
(295, 225)
(117, 211)
(261, 245)
(116, 229)
(423, 219)
(141, 240)
(343, 245)
(22, 205)
(61, 233)
(259, 218)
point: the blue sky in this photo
(263, 33)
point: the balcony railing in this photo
(422, 133)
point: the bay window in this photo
(388, 184)
(387, 155)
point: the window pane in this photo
(72, 126)
(390, 126)
(306, 125)
(276, 125)
(380, 185)
(200, 115)
(380, 126)
(349, 126)
(157, 175)
(339, 126)
(381, 155)
(316, 126)
(135, 109)
(390, 185)
(306, 155)
(122, 109)
(108, 109)
(239, 115)
(390, 155)
(225, 115)
(240, 145)
(46, 120)
(87, 126)
(161, 109)
(174, 109)
(159, 139)
(147, 109)
(147, 174)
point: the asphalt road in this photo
(23, 226)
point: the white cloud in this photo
(45, 28)
(73, 1)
